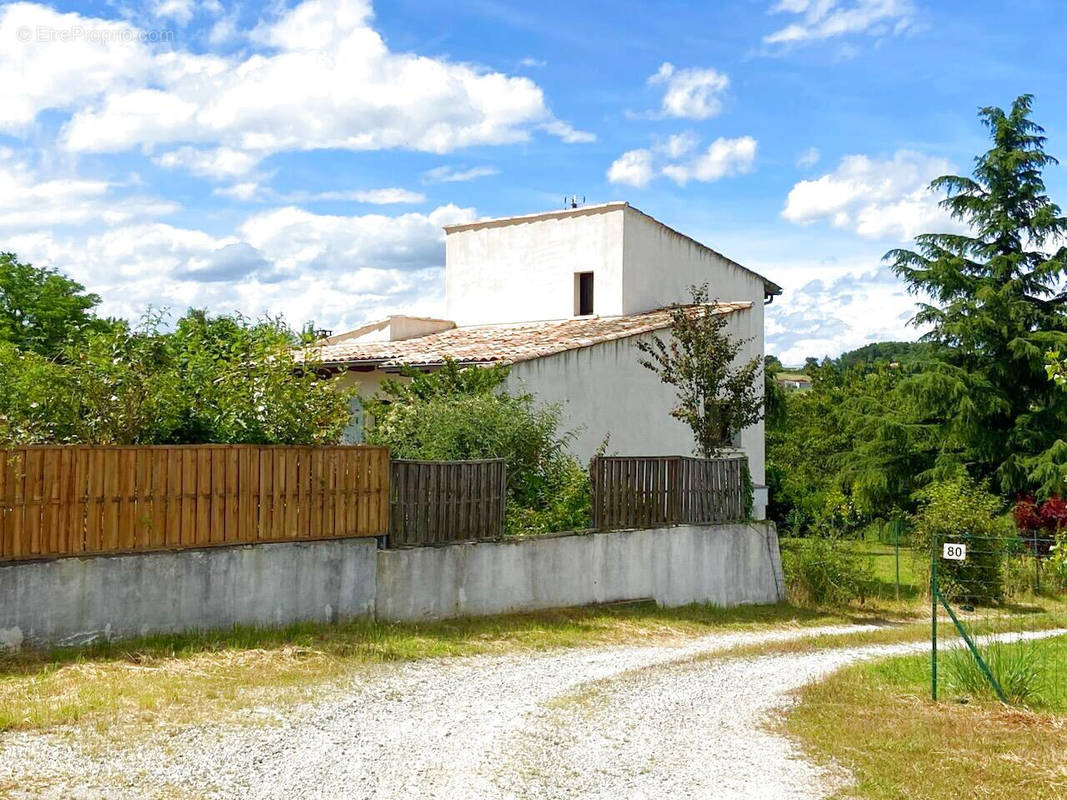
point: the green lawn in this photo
(877, 720)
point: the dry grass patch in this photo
(192, 677)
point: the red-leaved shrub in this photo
(1038, 523)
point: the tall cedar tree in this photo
(997, 303)
(715, 398)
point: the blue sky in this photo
(301, 158)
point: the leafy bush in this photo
(961, 511)
(823, 570)
(1038, 523)
(463, 413)
(1057, 562)
(213, 379)
(569, 508)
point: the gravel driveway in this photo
(607, 722)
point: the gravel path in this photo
(609, 722)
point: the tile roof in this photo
(506, 343)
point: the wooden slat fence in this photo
(650, 491)
(437, 502)
(64, 501)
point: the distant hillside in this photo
(888, 352)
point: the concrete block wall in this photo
(76, 600)
(722, 564)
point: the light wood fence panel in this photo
(63, 501)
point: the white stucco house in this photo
(562, 297)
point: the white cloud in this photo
(809, 158)
(446, 174)
(632, 168)
(222, 162)
(302, 243)
(181, 11)
(690, 93)
(678, 145)
(38, 74)
(825, 19)
(336, 270)
(379, 197)
(254, 191)
(324, 78)
(533, 62)
(246, 191)
(30, 200)
(723, 158)
(568, 133)
(829, 309)
(876, 198)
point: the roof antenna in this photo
(573, 202)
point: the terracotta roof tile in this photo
(506, 343)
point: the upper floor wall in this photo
(524, 268)
(530, 268)
(660, 265)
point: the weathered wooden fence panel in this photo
(650, 491)
(437, 502)
(61, 501)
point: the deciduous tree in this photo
(717, 395)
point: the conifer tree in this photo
(996, 303)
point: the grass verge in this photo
(190, 677)
(876, 719)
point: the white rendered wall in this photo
(659, 266)
(525, 271)
(604, 390)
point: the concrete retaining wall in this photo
(722, 564)
(74, 600)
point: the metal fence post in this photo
(933, 619)
(896, 553)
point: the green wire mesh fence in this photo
(998, 606)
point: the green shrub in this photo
(822, 570)
(567, 504)
(220, 379)
(461, 413)
(961, 511)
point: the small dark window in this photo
(583, 293)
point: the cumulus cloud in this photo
(181, 11)
(876, 198)
(632, 168)
(446, 174)
(322, 78)
(671, 158)
(218, 163)
(30, 200)
(723, 158)
(690, 93)
(37, 75)
(837, 308)
(825, 19)
(337, 270)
